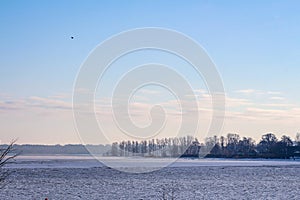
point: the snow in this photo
(84, 161)
(80, 177)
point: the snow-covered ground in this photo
(77, 177)
(83, 161)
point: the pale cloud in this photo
(61, 96)
(257, 92)
(277, 98)
(247, 91)
(273, 114)
(48, 103)
(34, 119)
(244, 114)
(237, 102)
(10, 103)
(265, 112)
(274, 92)
(201, 91)
(283, 105)
(149, 91)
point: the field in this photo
(185, 179)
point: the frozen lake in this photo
(80, 177)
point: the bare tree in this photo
(7, 155)
(298, 139)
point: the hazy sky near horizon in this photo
(254, 44)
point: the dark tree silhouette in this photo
(232, 146)
(267, 146)
(284, 147)
(7, 154)
(297, 139)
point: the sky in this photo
(254, 45)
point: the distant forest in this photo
(231, 146)
(31, 149)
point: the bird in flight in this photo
(72, 37)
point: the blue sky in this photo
(255, 45)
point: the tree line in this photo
(32, 149)
(230, 146)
